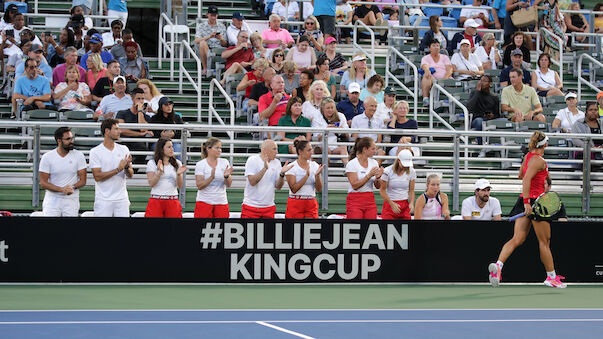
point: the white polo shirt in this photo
(490, 209)
(114, 188)
(215, 192)
(354, 166)
(63, 170)
(362, 121)
(398, 185)
(167, 184)
(309, 188)
(262, 194)
(461, 63)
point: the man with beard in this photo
(481, 206)
(62, 173)
(111, 163)
(482, 104)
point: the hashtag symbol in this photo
(211, 235)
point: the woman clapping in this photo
(304, 181)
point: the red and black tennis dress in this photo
(536, 184)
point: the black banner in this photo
(256, 251)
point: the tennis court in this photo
(300, 311)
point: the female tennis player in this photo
(398, 188)
(304, 181)
(533, 172)
(363, 173)
(165, 176)
(433, 204)
(212, 175)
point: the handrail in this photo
(496, 32)
(357, 46)
(591, 16)
(182, 70)
(441, 89)
(595, 44)
(389, 74)
(212, 111)
(561, 49)
(395, 4)
(581, 79)
(162, 43)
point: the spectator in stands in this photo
(117, 8)
(329, 117)
(487, 53)
(111, 163)
(367, 120)
(165, 176)
(58, 74)
(509, 27)
(440, 63)
(113, 103)
(132, 66)
(466, 64)
(293, 118)
(435, 32)
(324, 11)
(10, 43)
(277, 60)
(385, 108)
(358, 73)
(322, 73)
(598, 18)
(363, 173)
(104, 85)
(118, 50)
(79, 36)
(83, 7)
(264, 174)
(290, 76)
(521, 101)
(480, 15)
(210, 34)
(72, 94)
(302, 54)
(400, 120)
(28, 34)
(212, 176)
(470, 33)
(18, 58)
(550, 18)
(482, 104)
(567, 117)
(499, 13)
(62, 174)
(272, 105)
(304, 181)
(294, 8)
(337, 62)
(433, 204)
(7, 19)
(600, 102)
(113, 37)
(516, 62)
(344, 14)
(370, 15)
(238, 25)
(136, 114)
(257, 43)
(239, 58)
(252, 77)
(352, 105)
(311, 29)
(96, 69)
(374, 88)
(590, 124)
(54, 51)
(518, 42)
(151, 95)
(167, 116)
(546, 81)
(398, 188)
(280, 9)
(306, 78)
(576, 22)
(33, 88)
(43, 69)
(276, 37)
(96, 46)
(261, 87)
(481, 206)
(311, 107)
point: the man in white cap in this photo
(481, 206)
(352, 106)
(113, 103)
(238, 25)
(477, 13)
(470, 33)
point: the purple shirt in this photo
(58, 75)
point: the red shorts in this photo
(361, 206)
(250, 212)
(302, 209)
(203, 210)
(163, 208)
(387, 213)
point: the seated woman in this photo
(435, 32)
(329, 117)
(441, 65)
(257, 43)
(374, 88)
(239, 58)
(433, 204)
(576, 22)
(290, 76)
(518, 40)
(322, 73)
(293, 118)
(598, 18)
(252, 77)
(487, 53)
(567, 117)
(465, 63)
(311, 107)
(96, 69)
(337, 62)
(132, 66)
(358, 73)
(545, 81)
(312, 31)
(151, 95)
(72, 94)
(277, 61)
(399, 120)
(54, 51)
(306, 78)
(302, 54)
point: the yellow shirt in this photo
(526, 100)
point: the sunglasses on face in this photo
(278, 55)
(309, 23)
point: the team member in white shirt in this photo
(62, 173)
(481, 206)
(304, 181)
(264, 173)
(212, 175)
(111, 163)
(398, 188)
(363, 173)
(165, 174)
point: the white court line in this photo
(280, 329)
(308, 310)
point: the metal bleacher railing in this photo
(591, 74)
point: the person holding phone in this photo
(72, 94)
(135, 114)
(210, 34)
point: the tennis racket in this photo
(545, 206)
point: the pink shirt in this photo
(58, 75)
(281, 34)
(440, 66)
(90, 77)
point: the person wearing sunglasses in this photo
(311, 29)
(32, 88)
(277, 61)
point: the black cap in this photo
(165, 101)
(212, 9)
(12, 7)
(36, 48)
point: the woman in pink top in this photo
(96, 69)
(303, 55)
(442, 65)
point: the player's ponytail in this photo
(209, 143)
(360, 145)
(538, 140)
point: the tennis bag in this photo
(525, 17)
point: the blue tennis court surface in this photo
(267, 324)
